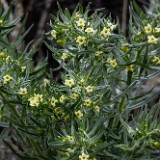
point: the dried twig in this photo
(124, 15)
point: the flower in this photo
(23, 91)
(78, 15)
(79, 114)
(8, 59)
(89, 89)
(64, 56)
(39, 97)
(33, 101)
(112, 63)
(69, 82)
(62, 99)
(156, 60)
(46, 82)
(23, 68)
(112, 27)
(148, 28)
(87, 102)
(81, 40)
(2, 54)
(152, 39)
(7, 79)
(83, 156)
(98, 53)
(70, 150)
(125, 48)
(53, 101)
(77, 89)
(70, 138)
(59, 112)
(89, 30)
(82, 81)
(53, 33)
(61, 42)
(97, 108)
(105, 32)
(1, 22)
(130, 68)
(81, 28)
(80, 22)
(157, 29)
(74, 96)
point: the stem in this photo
(124, 15)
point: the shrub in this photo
(99, 110)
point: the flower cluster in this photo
(35, 100)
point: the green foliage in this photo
(101, 109)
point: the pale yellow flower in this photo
(8, 59)
(81, 28)
(89, 89)
(70, 150)
(148, 28)
(46, 82)
(53, 33)
(157, 29)
(74, 96)
(39, 97)
(69, 82)
(23, 68)
(84, 156)
(78, 15)
(113, 27)
(98, 53)
(59, 112)
(53, 101)
(7, 79)
(81, 40)
(23, 91)
(152, 39)
(139, 33)
(109, 24)
(105, 32)
(97, 108)
(87, 102)
(80, 22)
(82, 81)
(2, 54)
(64, 56)
(125, 47)
(79, 114)
(156, 60)
(130, 68)
(33, 101)
(61, 42)
(62, 99)
(112, 63)
(70, 138)
(1, 21)
(89, 30)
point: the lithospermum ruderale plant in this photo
(100, 108)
